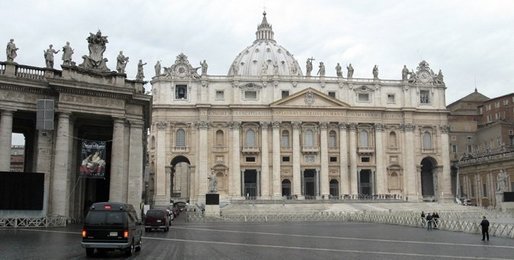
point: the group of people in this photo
(431, 220)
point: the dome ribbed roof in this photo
(264, 56)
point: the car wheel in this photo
(139, 245)
(90, 252)
(130, 250)
(167, 229)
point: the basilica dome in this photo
(264, 57)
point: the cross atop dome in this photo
(264, 30)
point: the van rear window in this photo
(100, 218)
(155, 213)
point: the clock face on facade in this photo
(424, 76)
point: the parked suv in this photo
(112, 225)
(157, 219)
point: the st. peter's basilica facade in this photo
(268, 131)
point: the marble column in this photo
(296, 161)
(44, 163)
(445, 179)
(264, 183)
(60, 177)
(235, 171)
(6, 121)
(381, 176)
(135, 164)
(203, 159)
(116, 188)
(353, 159)
(160, 163)
(343, 161)
(409, 165)
(277, 184)
(324, 185)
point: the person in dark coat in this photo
(429, 221)
(485, 228)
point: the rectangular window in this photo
(365, 159)
(250, 159)
(454, 148)
(285, 93)
(181, 92)
(251, 95)
(363, 97)
(424, 97)
(484, 190)
(285, 158)
(220, 95)
(390, 98)
(332, 94)
(333, 159)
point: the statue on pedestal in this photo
(309, 66)
(321, 71)
(339, 73)
(501, 181)
(140, 74)
(375, 72)
(204, 67)
(121, 62)
(157, 68)
(11, 51)
(405, 72)
(67, 51)
(350, 71)
(49, 56)
(213, 182)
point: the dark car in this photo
(180, 205)
(157, 219)
(112, 225)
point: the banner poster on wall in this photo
(93, 159)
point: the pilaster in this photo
(235, 172)
(6, 121)
(324, 160)
(277, 185)
(135, 164)
(353, 159)
(297, 191)
(265, 183)
(60, 178)
(343, 160)
(116, 188)
(379, 159)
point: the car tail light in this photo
(125, 234)
(84, 233)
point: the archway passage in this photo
(309, 183)
(428, 178)
(180, 179)
(365, 185)
(334, 188)
(286, 188)
(250, 183)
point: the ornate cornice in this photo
(276, 124)
(296, 124)
(379, 127)
(444, 129)
(161, 125)
(323, 125)
(265, 124)
(342, 126)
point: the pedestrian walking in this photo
(485, 228)
(435, 216)
(429, 221)
(423, 220)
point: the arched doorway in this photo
(334, 188)
(180, 179)
(428, 178)
(286, 188)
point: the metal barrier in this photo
(468, 222)
(32, 222)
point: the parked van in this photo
(112, 225)
(157, 219)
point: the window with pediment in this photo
(363, 138)
(180, 138)
(219, 138)
(284, 140)
(308, 138)
(427, 140)
(250, 138)
(332, 139)
(393, 140)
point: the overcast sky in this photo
(472, 42)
